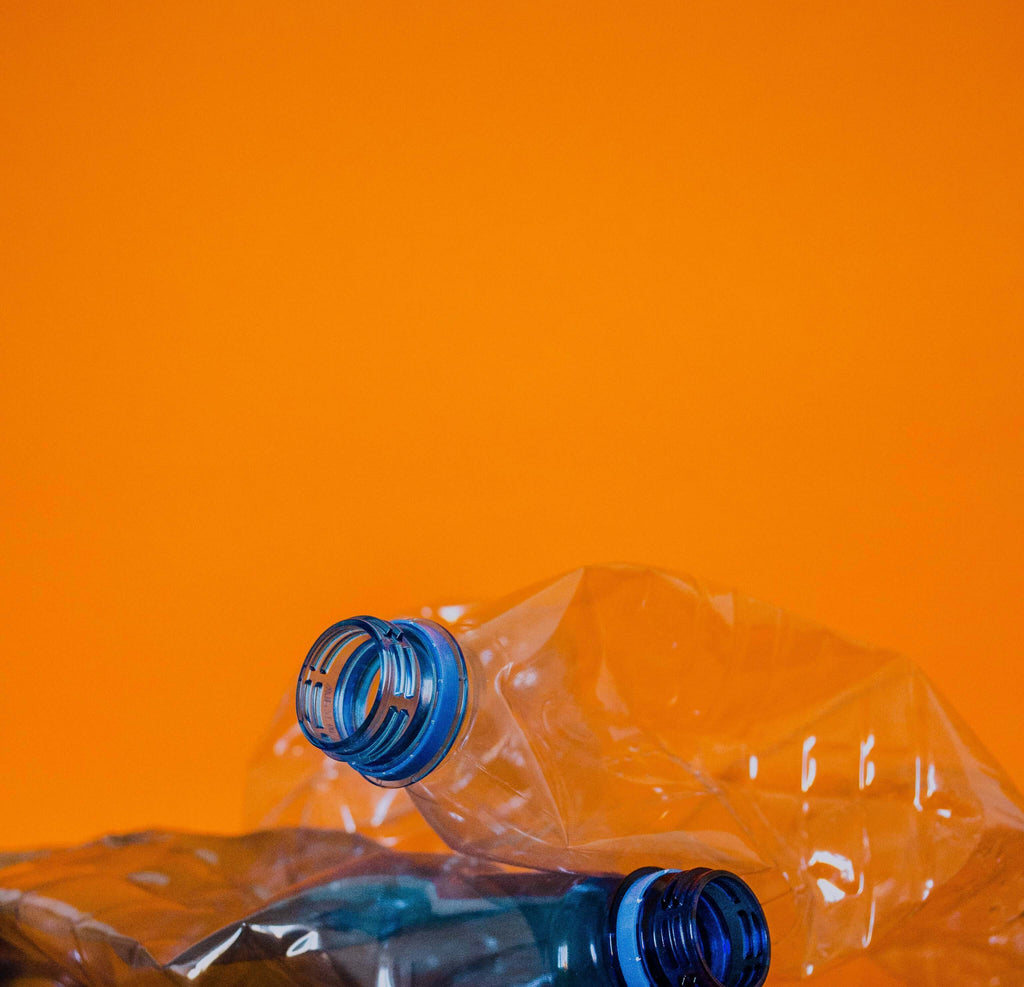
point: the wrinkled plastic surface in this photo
(300, 907)
(622, 714)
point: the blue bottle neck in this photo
(653, 928)
(387, 697)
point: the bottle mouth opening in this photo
(365, 667)
(342, 682)
(700, 927)
(365, 698)
(728, 931)
(386, 697)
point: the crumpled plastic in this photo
(124, 909)
(179, 908)
(173, 908)
(837, 764)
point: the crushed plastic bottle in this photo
(291, 784)
(621, 714)
(304, 907)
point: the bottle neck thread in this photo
(386, 697)
(700, 927)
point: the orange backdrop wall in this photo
(315, 309)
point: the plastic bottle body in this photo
(437, 922)
(618, 715)
(425, 923)
(308, 907)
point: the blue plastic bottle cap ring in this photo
(627, 923)
(387, 697)
(448, 705)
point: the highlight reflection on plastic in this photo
(617, 715)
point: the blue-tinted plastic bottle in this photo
(428, 921)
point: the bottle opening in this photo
(370, 695)
(388, 697)
(359, 684)
(713, 938)
(731, 934)
(699, 927)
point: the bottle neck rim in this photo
(386, 697)
(703, 927)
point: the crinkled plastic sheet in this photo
(165, 907)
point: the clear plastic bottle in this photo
(421, 922)
(620, 714)
(301, 907)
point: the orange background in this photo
(314, 309)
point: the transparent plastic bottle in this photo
(423, 923)
(305, 907)
(620, 714)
